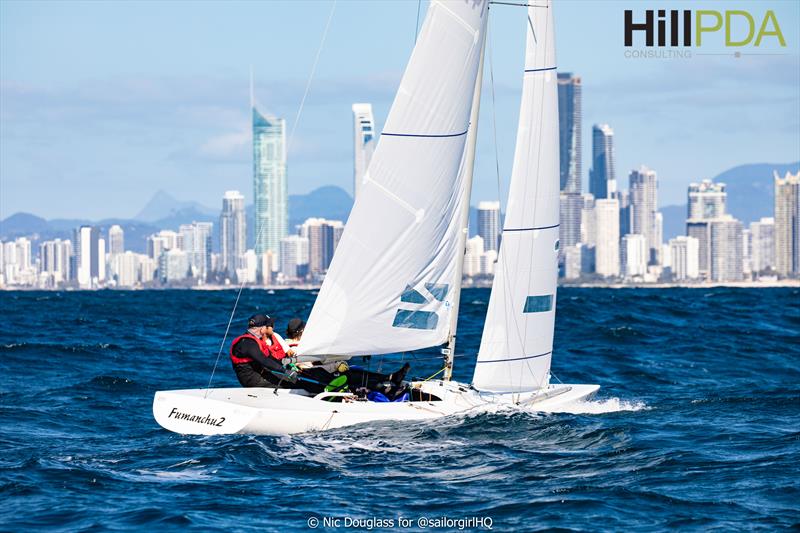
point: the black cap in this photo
(257, 321)
(295, 326)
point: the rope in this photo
(311, 76)
(261, 229)
(433, 375)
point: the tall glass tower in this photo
(363, 142)
(270, 190)
(602, 179)
(569, 131)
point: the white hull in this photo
(262, 411)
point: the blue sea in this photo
(696, 426)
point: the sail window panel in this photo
(538, 304)
(415, 319)
(438, 290)
(412, 296)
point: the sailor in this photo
(261, 357)
(338, 375)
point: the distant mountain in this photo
(751, 195)
(326, 202)
(164, 206)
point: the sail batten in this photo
(392, 282)
(517, 343)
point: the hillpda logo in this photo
(676, 33)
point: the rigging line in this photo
(499, 183)
(261, 228)
(416, 26)
(311, 76)
(515, 4)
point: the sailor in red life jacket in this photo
(259, 352)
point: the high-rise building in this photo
(162, 241)
(569, 229)
(644, 216)
(634, 255)
(55, 259)
(588, 221)
(125, 267)
(116, 240)
(607, 239)
(173, 265)
(787, 224)
(624, 198)
(684, 256)
(489, 224)
(197, 245)
(89, 264)
(323, 237)
(472, 257)
(569, 131)
(294, 257)
(270, 188)
(232, 232)
(725, 237)
(602, 177)
(706, 200)
(762, 256)
(364, 141)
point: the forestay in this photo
(391, 282)
(517, 339)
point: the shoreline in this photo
(772, 284)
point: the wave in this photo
(599, 407)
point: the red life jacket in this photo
(237, 360)
(274, 350)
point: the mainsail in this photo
(517, 339)
(391, 283)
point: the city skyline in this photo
(133, 96)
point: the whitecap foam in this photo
(599, 407)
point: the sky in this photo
(104, 103)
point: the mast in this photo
(469, 165)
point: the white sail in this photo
(517, 341)
(391, 282)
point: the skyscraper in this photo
(197, 245)
(602, 178)
(787, 224)
(116, 240)
(232, 231)
(294, 257)
(634, 255)
(323, 237)
(569, 229)
(89, 265)
(363, 142)
(607, 227)
(725, 258)
(763, 244)
(489, 224)
(644, 214)
(706, 200)
(569, 131)
(684, 257)
(270, 189)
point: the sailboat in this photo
(396, 276)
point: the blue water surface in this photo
(696, 427)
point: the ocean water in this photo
(696, 427)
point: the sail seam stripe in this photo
(540, 69)
(532, 229)
(515, 358)
(425, 135)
